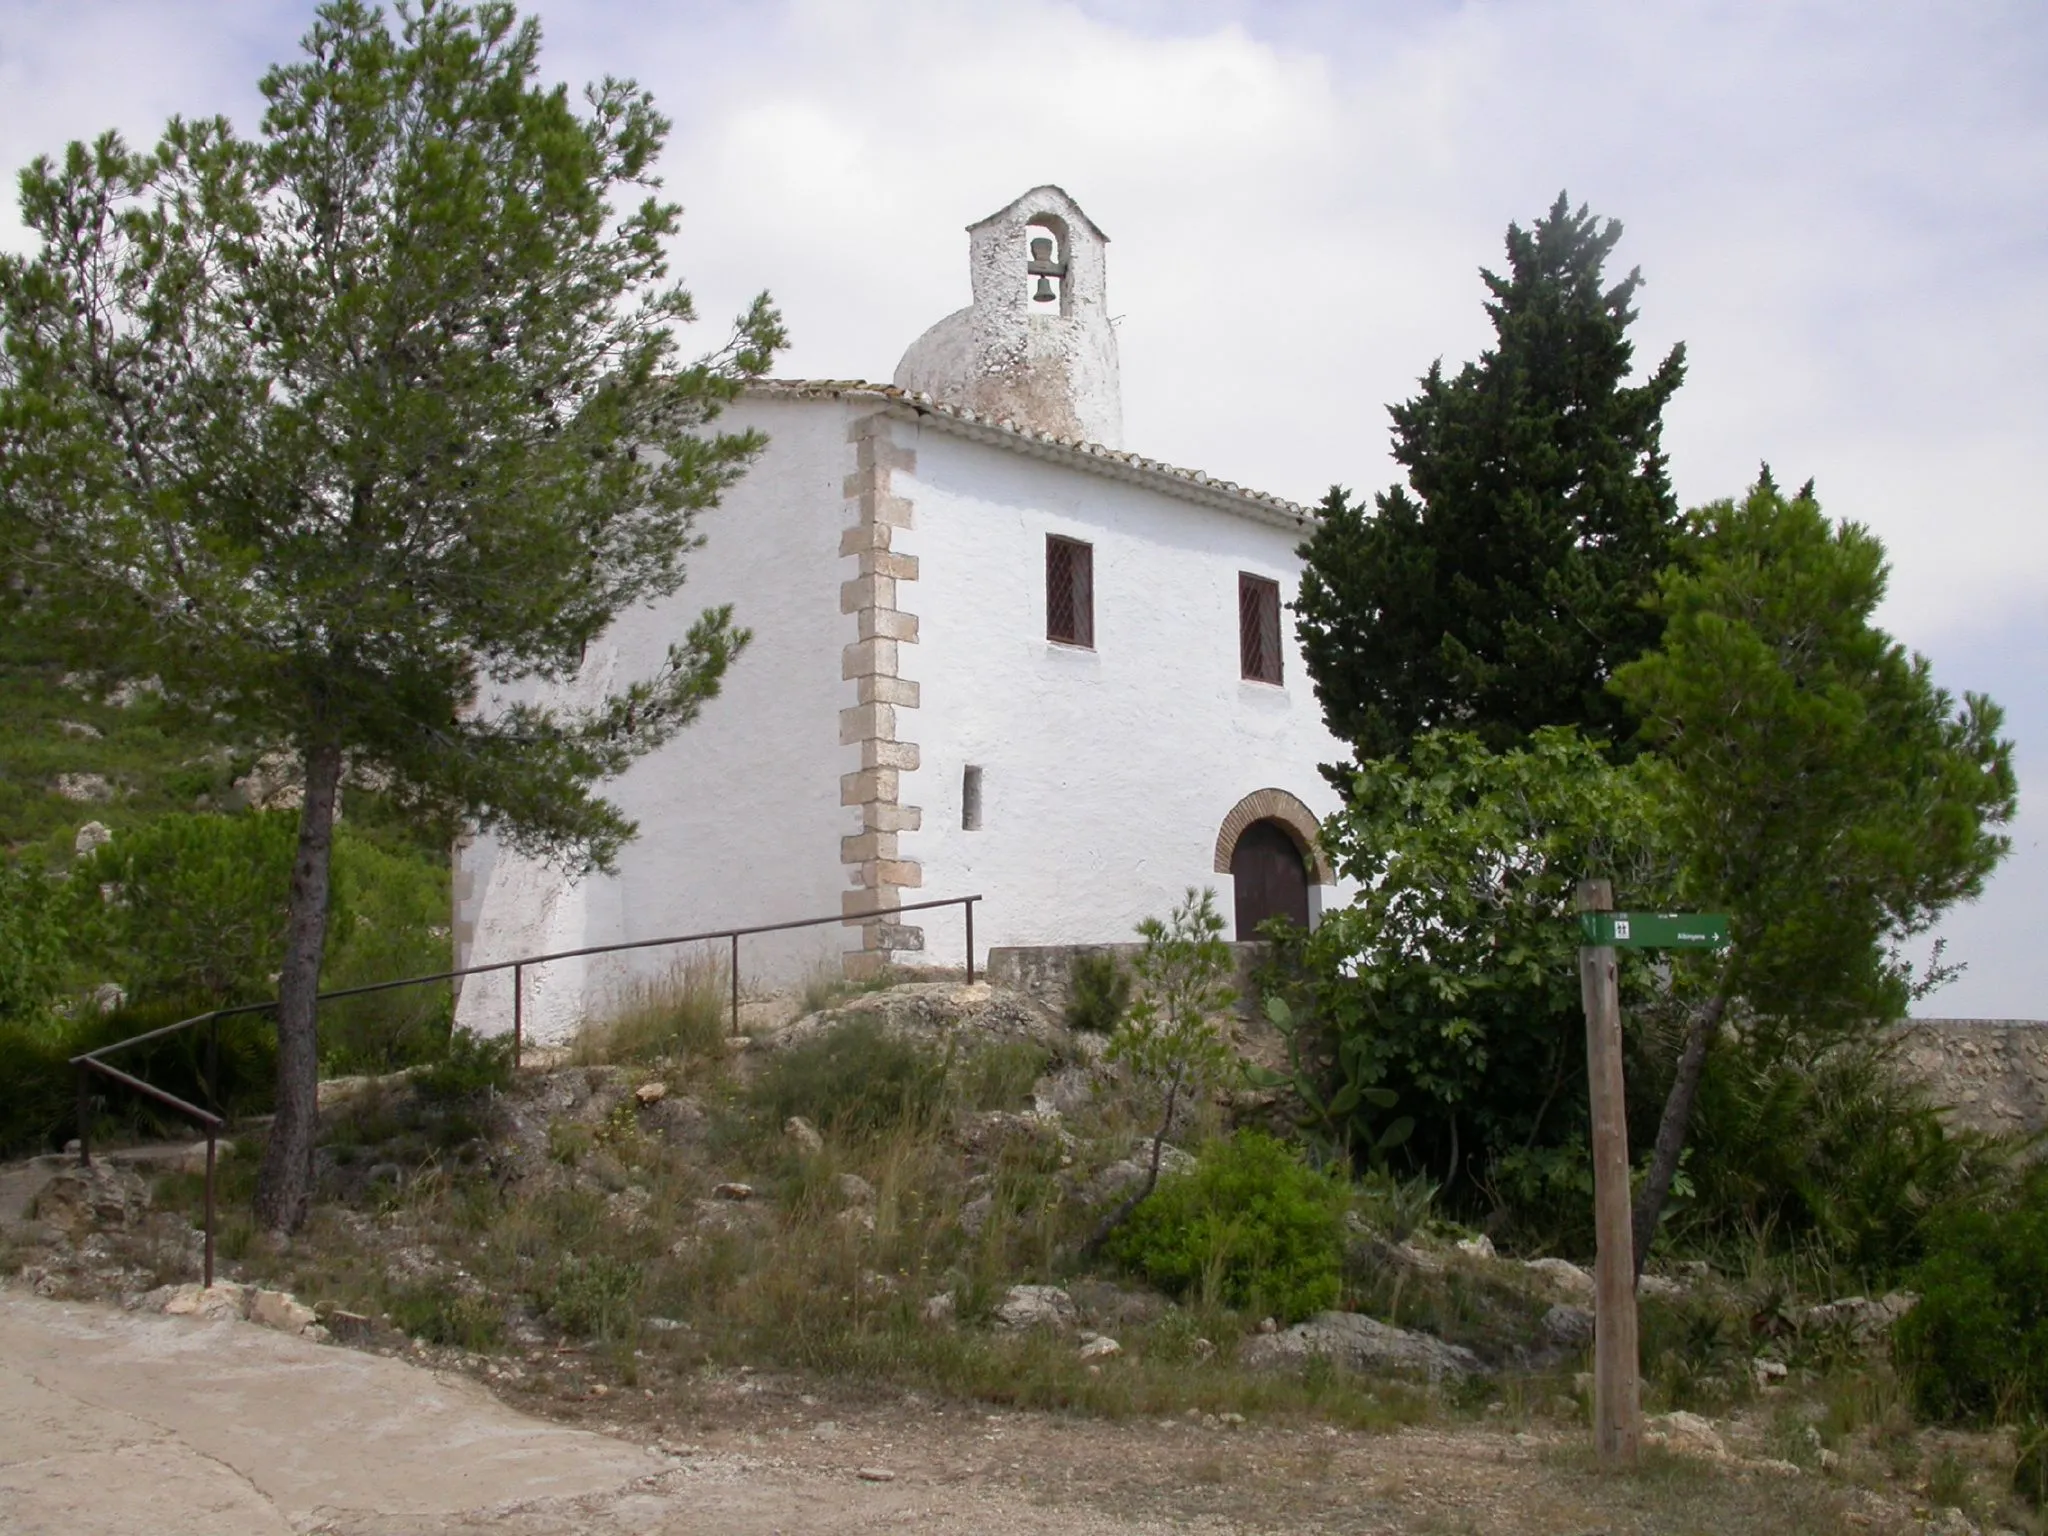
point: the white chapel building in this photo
(994, 654)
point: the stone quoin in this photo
(993, 652)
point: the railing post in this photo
(969, 905)
(84, 1117)
(735, 983)
(210, 1139)
(518, 1023)
(213, 1063)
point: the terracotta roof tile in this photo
(1192, 484)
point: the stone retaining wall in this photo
(1992, 1073)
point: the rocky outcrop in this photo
(1353, 1342)
(931, 1011)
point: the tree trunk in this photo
(284, 1184)
(1671, 1129)
(1122, 1213)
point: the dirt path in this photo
(119, 1422)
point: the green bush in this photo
(32, 945)
(1098, 994)
(1250, 1225)
(1975, 1349)
(1833, 1151)
(441, 1316)
(594, 1298)
(471, 1066)
(39, 1092)
(855, 1079)
(392, 909)
(196, 908)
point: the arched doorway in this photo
(1270, 877)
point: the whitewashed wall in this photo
(739, 816)
(1106, 774)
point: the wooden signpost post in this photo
(1617, 1384)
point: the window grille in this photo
(1069, 591)
(1258, 628)
(970, 798)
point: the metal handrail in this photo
(89, 1062)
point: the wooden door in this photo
(1271, 878)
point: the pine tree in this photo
(334, 429)
(1501, 587)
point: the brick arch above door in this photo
(1275, 805)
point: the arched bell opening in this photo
(1046, 264)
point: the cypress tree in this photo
(1499, 589)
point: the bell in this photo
(1045, 269)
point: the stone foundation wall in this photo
(1992, 1073)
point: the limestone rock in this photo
(1569, 1326)
(280, 1310)
(733, 1190)
(1563, 1275)
(1687, 1434)
(219, 1302)
(1354, 1342)
(103, 1197)
(651, 1093)
(803, 1135)
(1864, 1320)
(79, 729)
(84, 787)
(932, 1010)
(1480, 1247)
(1035, 1306)
(1125, 1175)
(940, 1308)
(1100, 1347)
(1102, 1304)
(93, 835)
(855, 1190)
(131, 691)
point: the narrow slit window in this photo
(1258, 628)
(970, 798)
(1069, 591)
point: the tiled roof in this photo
(1189, 484)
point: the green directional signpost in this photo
(1617, 1385)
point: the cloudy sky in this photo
(1839, 209)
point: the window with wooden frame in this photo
(1258, 628)
(1069, 591)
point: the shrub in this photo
(39, 1087)
(394, 906)
(32, 943)
(197, 908)
(1098, 994)
(855, 1079)
(1976, 1347)
(1833, 1151)
(441, 1316)
(472, 1066)
(594, 1298)
(1250, 1225)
